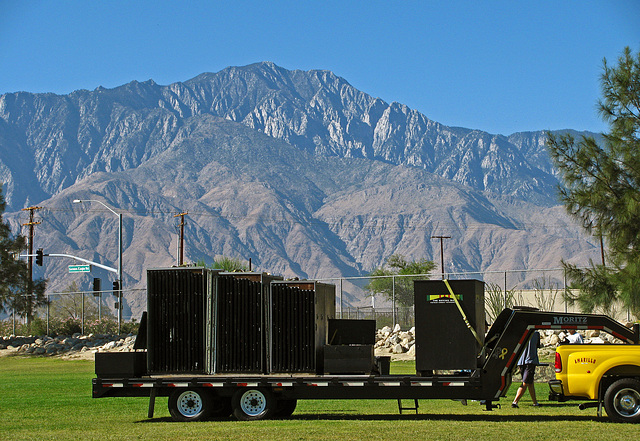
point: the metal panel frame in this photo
(177, 312)
(308, 308)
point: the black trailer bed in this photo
(301, 387)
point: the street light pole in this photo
(119, 215)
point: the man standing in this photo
(574, 337)
(527, 364)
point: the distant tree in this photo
(229, 264)
(17, 292)
(397, 265)
(70, 304)
(601, 188)
(497, 300)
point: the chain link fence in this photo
(85, 312)
(89, 312)
(544, 289)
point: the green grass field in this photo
(45, 399)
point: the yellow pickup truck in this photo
(606, 374)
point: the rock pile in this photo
(395, 341)
(63, 344)
(554, 338)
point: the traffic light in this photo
(116, 288)
(39, 255)
(97, 286)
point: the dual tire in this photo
(197, 405)
(246, 405)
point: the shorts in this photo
(527, 371)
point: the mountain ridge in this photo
(119, 128)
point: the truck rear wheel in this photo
(189, 405)
(622, 401)
(253, 404)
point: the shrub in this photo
(131, 327)
(106, 325)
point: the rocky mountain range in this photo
(297, 170)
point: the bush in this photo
(38, 326)
(106, 325)
(131, 327)
(68, 326)
(6, 327)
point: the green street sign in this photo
(79, 268)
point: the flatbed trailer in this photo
(254, 397)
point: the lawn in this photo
(44, 398)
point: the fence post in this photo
(82, 315)
(564, 297)
(505, 291)
(393, 303)
(341, 279)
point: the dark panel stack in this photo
(240, 322)
(299, 313)
(455, 347)
(176, 305)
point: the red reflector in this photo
(558, 364)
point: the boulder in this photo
(552, 340)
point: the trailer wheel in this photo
(189, 405)
(253, 404)
(285, 408)
(622, 401)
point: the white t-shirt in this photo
(574, 338)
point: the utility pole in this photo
(32, 223)
(181, 241)
(441, 251)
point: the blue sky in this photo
(498, 66)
